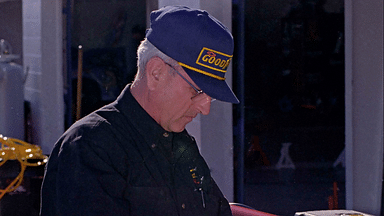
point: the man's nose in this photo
(204, 105)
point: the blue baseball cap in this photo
(200, 43)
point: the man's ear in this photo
(154, 70)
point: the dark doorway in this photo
(294, 96)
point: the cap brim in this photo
(215, 88)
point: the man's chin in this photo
(177, 128)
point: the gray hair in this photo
(145, 52)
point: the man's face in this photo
(177, 107)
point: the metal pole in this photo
(79, 82)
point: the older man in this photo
(134, 156)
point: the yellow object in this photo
(14, 149)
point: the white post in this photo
(43, 55)
(364, 104)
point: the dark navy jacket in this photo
(119, 161)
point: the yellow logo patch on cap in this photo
(214, 60)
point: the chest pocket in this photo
(150, 201)
(140, 176)
(146, 191)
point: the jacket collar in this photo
(141, 120)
